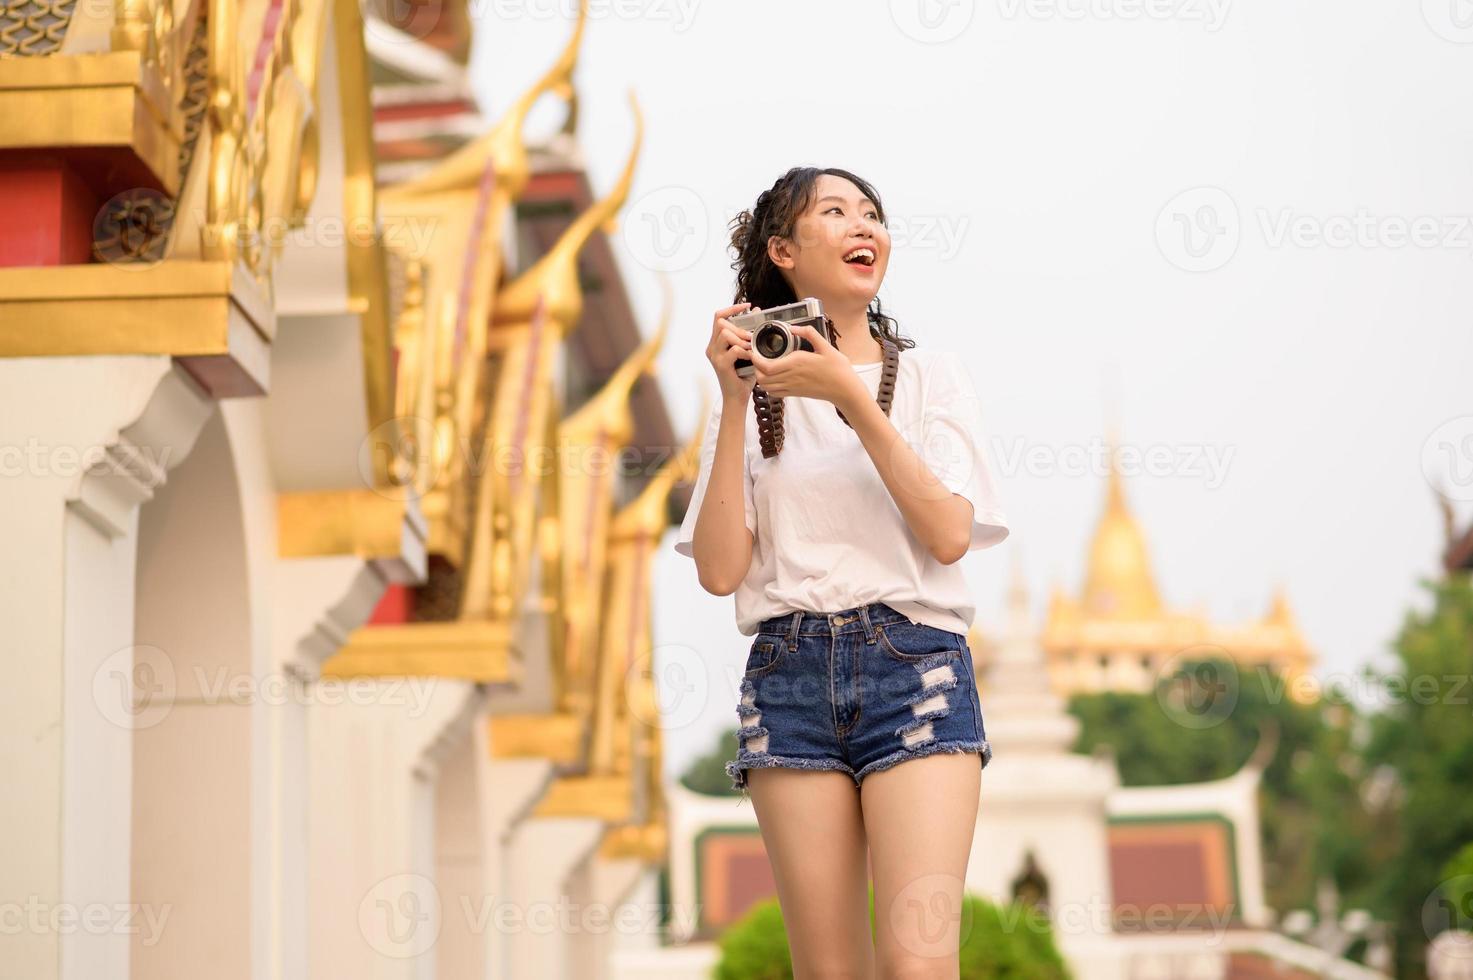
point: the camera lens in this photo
(771, 339)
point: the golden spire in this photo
(503, 144)
(554, 276)
(1119, 584)
(608, 411)
(596, 433)
(625, 699)
(1279, 613)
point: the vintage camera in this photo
(772, 330)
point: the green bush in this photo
(707, 774)
(756, 947)
(1010, 942)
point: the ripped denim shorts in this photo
(857, 691)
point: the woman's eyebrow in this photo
(835, 197)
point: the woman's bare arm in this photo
(721, 543)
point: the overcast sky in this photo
(1239, 230)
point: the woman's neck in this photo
(855, 339)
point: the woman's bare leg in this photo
(815, 839)
(919, 817)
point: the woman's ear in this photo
(780, 251)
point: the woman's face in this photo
(840, 223)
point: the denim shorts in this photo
(857, 691)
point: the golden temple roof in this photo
(1119, 584)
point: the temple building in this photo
(321, 662)
(1119, 635)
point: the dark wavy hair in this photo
(776, 212)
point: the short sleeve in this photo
(954, 447)
(708, 457)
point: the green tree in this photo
(707, 774)
(1425, 736)
(1205, 720)
(1461, 864)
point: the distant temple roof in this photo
(1119, 583)
(1119, 633)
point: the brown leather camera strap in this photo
(770, 410)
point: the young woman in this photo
(839, 535)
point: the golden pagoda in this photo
(1119, 635)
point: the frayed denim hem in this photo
(925, 749)
(736, 769)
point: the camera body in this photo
(772, 330)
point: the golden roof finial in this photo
(554, 276)
(1279, 613)
(646, 514)
(503, 144)
(1119, 584)
(608, 410)
(1060, 606)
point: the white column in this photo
(316, 603)
(66, 598)
(546, 852)
(615, 915)
(376, 909)
(510, 788)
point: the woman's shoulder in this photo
(939, 372)
(922, 359)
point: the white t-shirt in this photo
(827, 535)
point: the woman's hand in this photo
(825, 372)
(728, 344)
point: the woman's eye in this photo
(837, 208)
